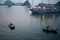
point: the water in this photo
(28, 27)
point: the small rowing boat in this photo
(11, 26)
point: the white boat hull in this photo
(44, 11)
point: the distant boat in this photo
(42, 8)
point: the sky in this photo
(35, 2)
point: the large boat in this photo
(44, 8)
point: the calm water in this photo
(28, 27)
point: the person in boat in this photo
(47, 27)
(11, 25)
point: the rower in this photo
(11, 24)
(47, 27)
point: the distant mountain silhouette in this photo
(26, 3)
(0, 4)
(9, 3)
(58, 3)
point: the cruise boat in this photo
(42, 8)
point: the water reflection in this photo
(27, 27)
(45, 16)
(46, 19)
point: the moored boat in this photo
(42, 8)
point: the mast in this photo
(42, 1)
(48, 2)
(32, 3)
(42, 4)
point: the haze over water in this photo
(28, 27)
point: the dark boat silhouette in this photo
(50, 30)
(11, 26)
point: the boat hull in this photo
(11, 27)
(50, 31)
(45, 11)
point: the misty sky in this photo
(34, 1)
